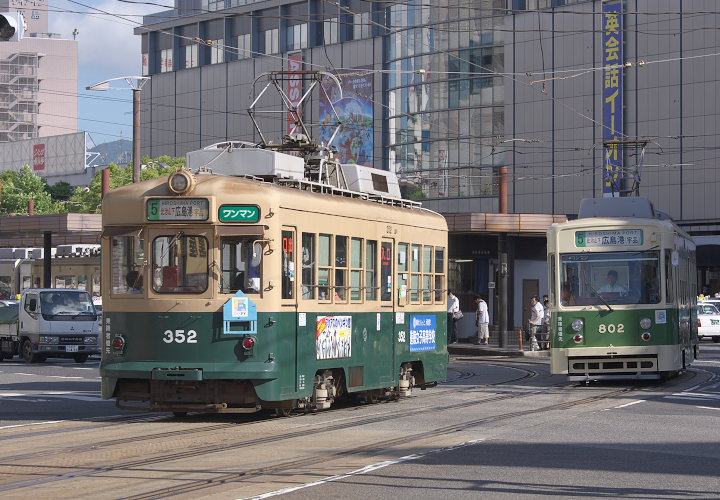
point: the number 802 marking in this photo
(619, 328)
(180, 337)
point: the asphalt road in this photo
(506, 429)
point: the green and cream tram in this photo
(623, 287)
(232, 293)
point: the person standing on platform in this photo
(536, 317)
(453, 310)
(482, 318)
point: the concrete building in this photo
(38, 78)
(456, 89)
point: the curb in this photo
(479, 350)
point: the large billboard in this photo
(612, 85)
(354, 141)
(53, 156)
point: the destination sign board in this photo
(239, 213)
(178, 209)
(618, 238)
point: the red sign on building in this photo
(295, 85)
(39, 157)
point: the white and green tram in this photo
(623, 283)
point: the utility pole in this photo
(502, 261)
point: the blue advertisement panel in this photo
(422, 333)
(354, 142)
(612, 86)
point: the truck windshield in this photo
(66, 304)
(610, 278)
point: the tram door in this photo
(289, 310)
(384, 354)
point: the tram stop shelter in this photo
(49, 230)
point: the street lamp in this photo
(136, 84)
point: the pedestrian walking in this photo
(536, 317)
(482, 318)
(545, 344)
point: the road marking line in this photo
(363, 470)
(34, 423)
(708, 408)
(61, 376)
(626, 404)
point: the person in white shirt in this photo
(612, 286)
(482, 318)
(453, 308)
(536, 316)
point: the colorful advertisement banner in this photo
(612, 86)
(422, 333)
(333, 337)
(354, 141)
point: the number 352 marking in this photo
(180, 336)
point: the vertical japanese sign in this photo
(39, 157)
(612, 98)
(355, 110)
(295, 62)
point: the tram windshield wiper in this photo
(595, 292)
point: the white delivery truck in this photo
(50, 323)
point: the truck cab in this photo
(52, 323)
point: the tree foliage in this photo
(18, 188)
(88, 200)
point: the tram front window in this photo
(241, 264)
(180, 264)
(612, 278)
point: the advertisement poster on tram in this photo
(333, 337)
(422, 333)
(355, 110)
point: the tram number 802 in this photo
(179, 336)
(611, 328)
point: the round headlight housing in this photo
(181, 182)
(646, 336)
(645, 323)
(577, 325)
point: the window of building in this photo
(272, 41)
(191, 56)
(244, 46)
(330, 30)
(297, 37)
(217, 51)
(166, 60)
(361, 26)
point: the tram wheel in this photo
(716, 339)
(27, 353)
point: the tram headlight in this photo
(181, 182)
(645, 323)
(578, 325)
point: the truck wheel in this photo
(27, 352)
(716, 339)
(80, 358)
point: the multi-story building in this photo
(450, 91)
(38, 78)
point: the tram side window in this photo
(371, 270)
(128, 265)
(241, 264)
(427, 263)
(288, 265)
(356, 264)
(402, 271)
(308, 266)
(439, 274)
(415, 273)
(340, 267)
(324, 269)
(669, 287)
(180, 264)
(386, 271)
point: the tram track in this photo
(80, 471)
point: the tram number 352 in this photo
(180, 336)
(611, 328)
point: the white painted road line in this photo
(364, 470)
(625, 405)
